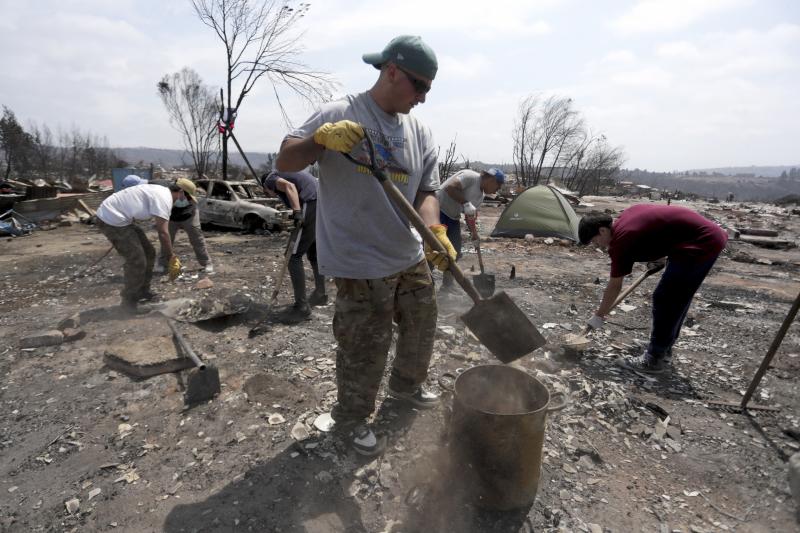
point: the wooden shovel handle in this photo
(471, 223)
(427, 235)
(629, 289)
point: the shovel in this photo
(497, 322)
(203, 381)
(576, 343)
(291, 249)
(483, 282)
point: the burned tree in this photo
(16, 144)
(595, 163)
(552, 142)
(447, 166)
(260, 39)
(544, 131)
(192, 110)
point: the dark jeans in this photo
(454, 234)
(308, 247)
(671, 301)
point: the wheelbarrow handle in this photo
(408, 210)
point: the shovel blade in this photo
(202, 384)
(503, 328)
(484, 284)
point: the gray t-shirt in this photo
(360, 233)
(471, 185)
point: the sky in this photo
(677, 84)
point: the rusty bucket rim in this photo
(543, 409)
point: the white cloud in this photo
(650, 76)
(670, 15)
(693, 98)
(618, 57)
(464, 68)
(683, 50)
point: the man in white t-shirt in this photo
(464, 192)
(116, 219)
(365, 242)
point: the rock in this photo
(794, 477)
(674, 433)
(324, 422)
(275, 419)
(71, 322)
(72, 505)
(204, 283)
(52, 337)
(300, 432)
(71, 334)
(674, 445)
(94, 492)
(660, 429)
(595, 528)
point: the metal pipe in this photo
(187, 350)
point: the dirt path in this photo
(70, 426)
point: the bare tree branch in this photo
(261, 40)
(192, 110)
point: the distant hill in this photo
(765, 171)
(180, 158)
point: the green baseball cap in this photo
(408, 52)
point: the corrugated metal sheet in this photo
(51, 208)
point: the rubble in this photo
(630, 452)
(51, 337)
(72, 505)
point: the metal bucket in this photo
(496, 434)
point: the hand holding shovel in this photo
(483, 282)
(497, 322)
(579, 342)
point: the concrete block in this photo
(43, 338)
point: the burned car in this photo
(239, 204)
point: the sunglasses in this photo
(421, 87)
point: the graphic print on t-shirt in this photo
(384, 155)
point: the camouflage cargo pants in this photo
(132, 244)
(362, 325)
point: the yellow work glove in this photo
(174, 268)
(341, 136)
(440, 260)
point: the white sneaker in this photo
(158, 269)
(209, 268)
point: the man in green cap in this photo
(366, 244)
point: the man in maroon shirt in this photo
(691, 244)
